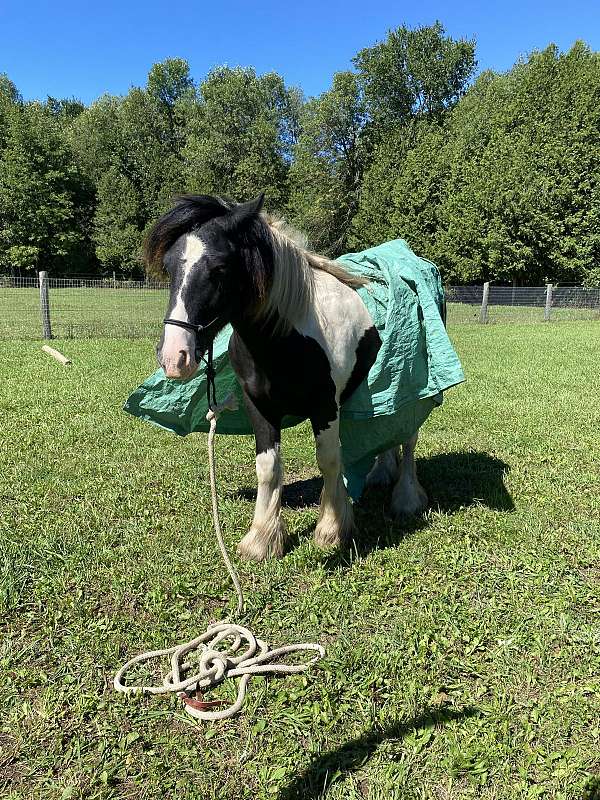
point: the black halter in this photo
(211, 394)
(189, 326)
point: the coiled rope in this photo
(214, 665)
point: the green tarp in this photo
(415, 364)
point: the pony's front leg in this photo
(336, 520)
(267, 536)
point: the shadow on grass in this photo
(323, 769)
(452, 481)
(296, 495)
(457, 480)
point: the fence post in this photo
(548, 302)
(45, 305)
(483, 316)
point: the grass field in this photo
(463, 650)
(92, 312)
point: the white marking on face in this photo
(179, 344)
(192, 253)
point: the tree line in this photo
(493, 177)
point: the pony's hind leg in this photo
(408, 496)
(386, 469)
(267, 535)
(336, 520)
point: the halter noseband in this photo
(211, 393)
(189, 326)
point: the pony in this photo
(302, 342)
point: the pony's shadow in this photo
(452, 481)
(351, 756)
(296, 494)
(457, 480)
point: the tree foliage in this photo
(411, 81)
(329, 161)
(42, 195)
(505, 186)
(415, 72)
(494, 178)
(355, 135)
(240, 135)
(131, 150)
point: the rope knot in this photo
(213, 665)
(217, 665)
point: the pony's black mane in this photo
(189, 212)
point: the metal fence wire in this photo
(521, 303)
(84, 308)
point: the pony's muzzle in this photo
(181, 365)
(177, 353)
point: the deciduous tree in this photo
(39, 188)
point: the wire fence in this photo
(83, 308)
(521, 303)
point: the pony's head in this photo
(227, 262)
(218, 258)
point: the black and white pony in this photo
(303, 341)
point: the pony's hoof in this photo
(409, 503)
(257, 546)
(329, 535)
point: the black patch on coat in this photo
(266, 435)
(283, 375)
(366, 353)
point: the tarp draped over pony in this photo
(415, 364)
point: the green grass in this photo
(463, 650)
(463, 312)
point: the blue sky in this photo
(84, 49)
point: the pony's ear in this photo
(242, 214)
(251, 207)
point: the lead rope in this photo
(214, 666)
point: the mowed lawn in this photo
(463, 650)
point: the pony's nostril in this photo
(182, 361)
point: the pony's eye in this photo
(217, 271)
